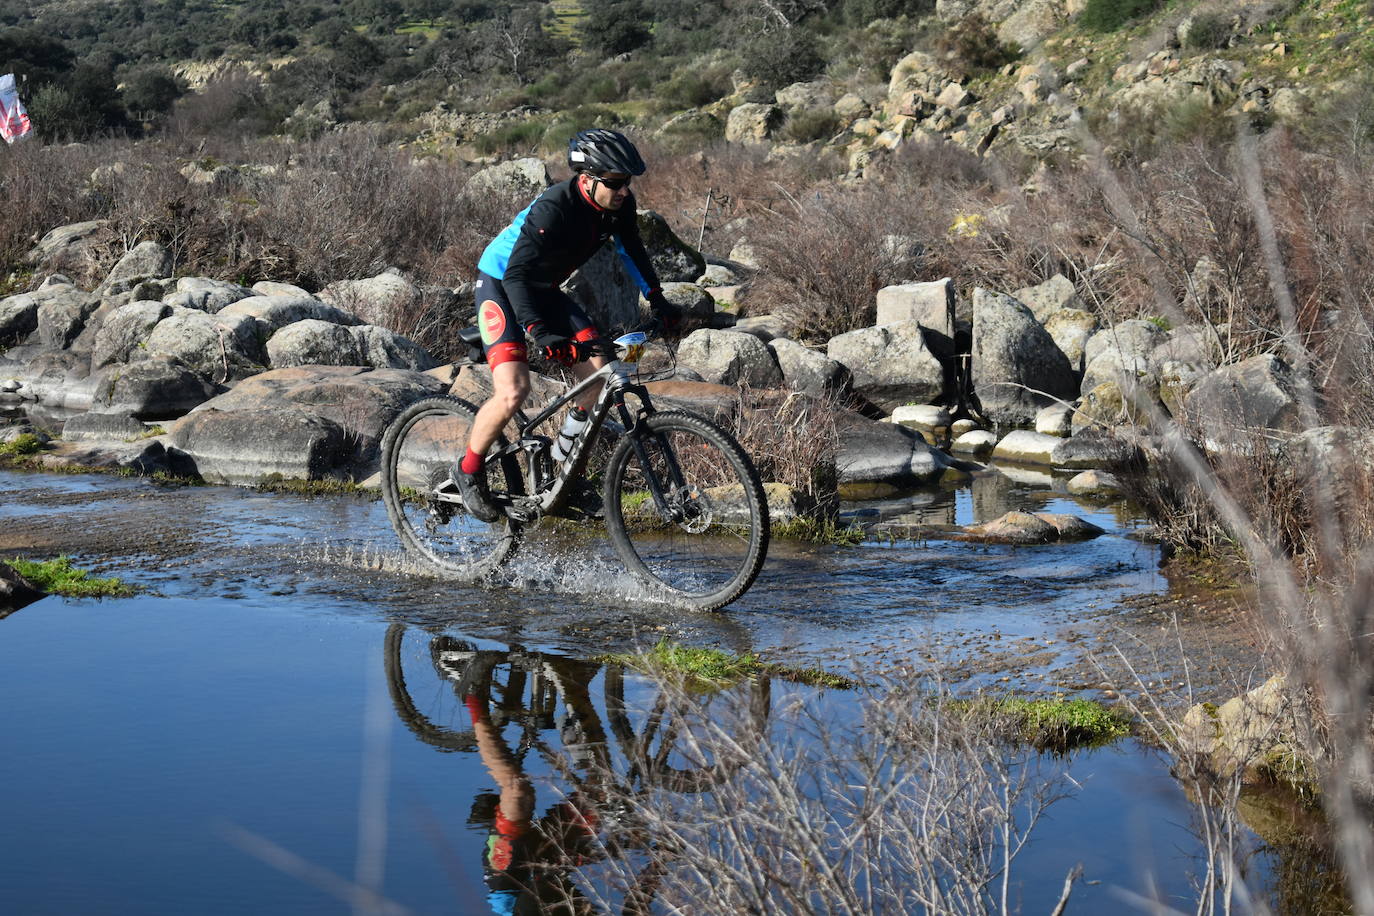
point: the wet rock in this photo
(1026, 447)
(879, 459)
(729, 358)
(16, 591)
(1094, 448)
(1017, 367)
(1071, 527)
(977, 443)
(891, 365)
(1012, 528)
(1094, 483)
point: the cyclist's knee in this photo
(511, 392)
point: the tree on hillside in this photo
(150, 92)
(33, 57)
(616, 26)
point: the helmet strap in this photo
(584, 186)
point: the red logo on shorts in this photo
(492, 322)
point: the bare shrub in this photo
(794, 440)
(916, 808)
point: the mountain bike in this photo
(683, 503)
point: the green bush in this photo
(1208, 31)
(973, 45)
(782, 57)
(1110, 15)
(806, 126)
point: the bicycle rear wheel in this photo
(423, 505)
(706, 544)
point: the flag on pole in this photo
(14, 120)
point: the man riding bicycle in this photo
(518, 290)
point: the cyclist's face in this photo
(607, 196)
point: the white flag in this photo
(14, 120)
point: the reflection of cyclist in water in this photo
(526, 860)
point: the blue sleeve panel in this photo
(497, 253)
(632, 269)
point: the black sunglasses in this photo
(614, 184)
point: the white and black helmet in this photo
(599, 150)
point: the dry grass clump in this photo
(794, 439)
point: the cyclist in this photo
(518, 289)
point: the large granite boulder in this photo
(124, 330)
(930, 304)
(62, 312)
(272, 312)
(1122, 351)
(1017, 367)
(306, 423)
(1070, 330)
(1257, 394)
(696, 303)
(156, 388)
(18, 318)
(876, 460)
(674, 260)
(205, 294)
(1049, 297)
(1093, 449)
(220, 347)
(73, 249)
(752, 122)
(891, 364)
(730, 358)
(313, 343)
(146, 260)
(804, 369)
(522, 178)
(381, 348)
(376, 300)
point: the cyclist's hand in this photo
(558, 349)
(667, 316)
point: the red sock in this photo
(472, 462)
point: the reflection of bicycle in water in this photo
(502, 704)
(683, 504)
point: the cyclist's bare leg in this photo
(511, 385)
(587, 399)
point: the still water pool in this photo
(283, 713)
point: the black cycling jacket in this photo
(554, 236)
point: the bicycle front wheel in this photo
(686, 511)
(423, 504)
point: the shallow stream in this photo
(282, 711)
